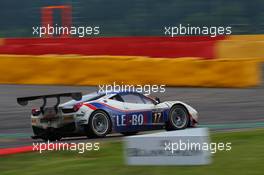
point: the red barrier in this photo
(8, 151)
(38, 148)
(190, 46)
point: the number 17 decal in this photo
(157, 117)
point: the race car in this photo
(98, 114)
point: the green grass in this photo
(246, 157)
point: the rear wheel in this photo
(99, 124)
(178, 118)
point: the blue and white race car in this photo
(98, 114)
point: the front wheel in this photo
(178, 118)
(99, 124)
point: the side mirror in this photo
(157, 100)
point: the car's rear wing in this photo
(23, 101)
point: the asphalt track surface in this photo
(215, 106)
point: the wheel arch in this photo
(107, 113)
(189, 114)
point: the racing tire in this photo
(99, 125)
(129, 133)
(178, 118)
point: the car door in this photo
(138, 112)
